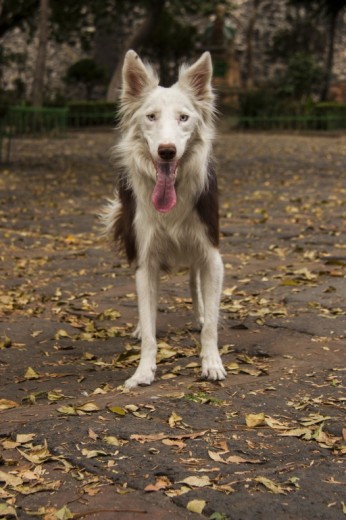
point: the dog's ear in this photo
(137, 77)
(197, 77)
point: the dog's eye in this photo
(151, 117)
(183, 118)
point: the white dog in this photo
(165, 211)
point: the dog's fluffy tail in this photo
(117, 218)
(109, 216)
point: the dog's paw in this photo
(212, 368)
(141, 377)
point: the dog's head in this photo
(167, 118)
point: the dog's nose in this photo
(167, 152)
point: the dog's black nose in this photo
(167, 152)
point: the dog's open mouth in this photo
(164, 196)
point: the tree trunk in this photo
(40, 65)
(330, 56)
(133, 42)
(249, 72)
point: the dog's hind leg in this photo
(147, 279)
(196, 295)
(211, 286)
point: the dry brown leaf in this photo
(198, 482)
(161, 483)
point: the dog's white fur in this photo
(182, 116)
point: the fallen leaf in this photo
(270, 485)
(7, 511)
(174, 419)
(6, 404)
(31, 374)
(161, 483)
(38, 454)
(254, 420)
(10, 479)
(64, 514)
(159, 436)
(91, 454)
(196, 506)
(193, 481)
(117, 410)
(23, 438)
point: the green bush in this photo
(331, 115)
(91, 113)
(87, 73)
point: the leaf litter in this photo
(225, 437)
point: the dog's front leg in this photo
(211, 286)
(147, 286)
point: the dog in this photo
(165, 210)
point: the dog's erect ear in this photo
(137, 77)
(197, 77)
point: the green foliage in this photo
(171, 41)
(302, 78)
(302, 35)
(258, 103)
(91, 113)
(86, 72)
(332, 115)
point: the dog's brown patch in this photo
(208, 207)
(124, 233)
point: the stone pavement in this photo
(269, 441)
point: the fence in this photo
(30, 120)
(300, 123)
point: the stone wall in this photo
(272, 14)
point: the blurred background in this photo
(272, 58)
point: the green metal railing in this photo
(19, 121)
(302, 123)
(32, 120)
(86, 119)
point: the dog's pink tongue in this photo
(164, 197)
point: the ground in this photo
(269, 441)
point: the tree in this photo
(249, 32)
(330, 10)
(300, 80)
(86, 72)
(40, 65)
(153, 11)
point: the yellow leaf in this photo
(196, 506)
(269, 484)
(113, 441)
(6, 404)
(253, 420)
(64, 514)
(31, 374)
(61, 334)
(88, 407)
(7, 511)
(174, 419)
(10, 480)
(5, 343)
(38, 454)
(117, 410)
(23, 438)
(90, 454)
(67, 410)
